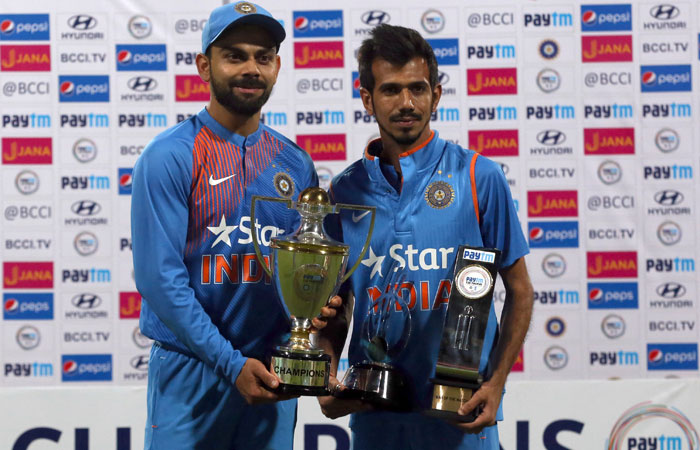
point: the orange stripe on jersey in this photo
(475, 198)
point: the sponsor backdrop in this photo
(588, 106)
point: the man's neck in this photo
(237, 123)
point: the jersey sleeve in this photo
(500, 226)
(162, 178)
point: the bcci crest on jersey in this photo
(439, 194)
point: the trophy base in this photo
(448, 396)
(301, 373)
(381, 385)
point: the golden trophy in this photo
(307, 268)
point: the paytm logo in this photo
(86, 368)
(318, 23)
(35, 306)
(672, 356)
(613, 296)
(606, 18)
(553, 234)
(446, 51)
(83, 88)
(141, 57)
(24, 27)
(666, 78)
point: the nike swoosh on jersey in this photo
(213, 182)
(356, 218)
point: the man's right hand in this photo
(255, 382)
(333, 407)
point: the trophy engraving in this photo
(307, 268)
(457, 370)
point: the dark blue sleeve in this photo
(500, 227)
(159, 215)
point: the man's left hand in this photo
(489, 397)
(327, 312)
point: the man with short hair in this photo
(431, 197)
(207, 304)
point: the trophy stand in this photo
(306, 267)
(457, 374)
(376, 380)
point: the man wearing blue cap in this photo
(213, 315)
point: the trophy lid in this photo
(313, 205)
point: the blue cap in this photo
(240, 13)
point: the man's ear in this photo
(367, 101)
(203, 66)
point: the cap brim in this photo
(275, 28)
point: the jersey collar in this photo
(228, 135)
(414, 161)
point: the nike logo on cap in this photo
(356, 218)
(213, 182)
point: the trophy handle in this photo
(254, 234)
(371, 209)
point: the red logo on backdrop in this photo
(323, 147)
(552, 204)
(606, 48)
(129, 305)
(608, 141)
(494, 142)
(26, 151)
(612, 264)
(25, 58)
(492, 81)
(191, 88)
(519, 364)
(27, 275)
(312, 55)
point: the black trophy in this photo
(457, 369)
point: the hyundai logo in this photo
(139, 362)
(86, 208)
(551, 137)
(142, 84)
(670, 290)
(664, 12)
(443, 78)
(82, 22)
(668, 197)
(86, 301)
(374, 18)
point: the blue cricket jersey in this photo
(420, 225)
(203, 291)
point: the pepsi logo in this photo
(11, 305)
(595, 295)
(124, 57)
(536, 234)
(70, 367)
(301, 24)
(7, 26)
(356, 83)
(655, 355)
(67, 88)
(648, 78)
(125, 180)
(589, 17)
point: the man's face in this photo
(243, 69)
(402, 100)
